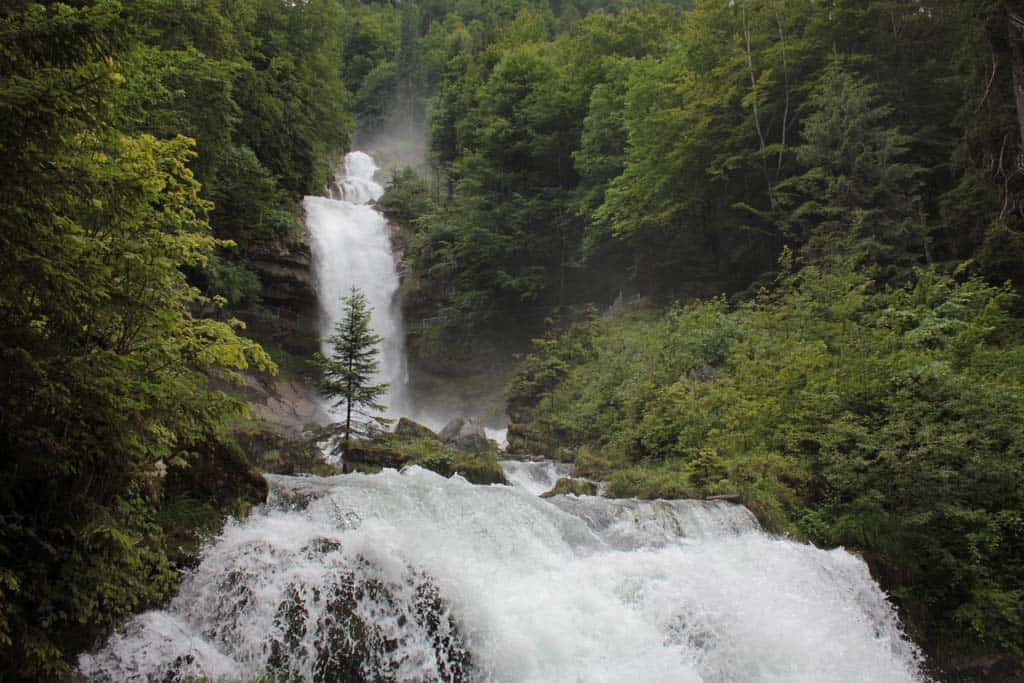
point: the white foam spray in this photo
(518, 589)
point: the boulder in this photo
(366, 453)
(413, 430)
(465, 435)
(280, 452)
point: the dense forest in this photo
(818, 204)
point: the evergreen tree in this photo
(859, 194)
(348, 373)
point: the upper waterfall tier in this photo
(352, 248)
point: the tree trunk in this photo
(1015, 26)
(348, 410)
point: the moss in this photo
(478, 467)
(397, 451)
(596, 464)
(198, 496)
(279, 454)
(650, 483)
(568, 486)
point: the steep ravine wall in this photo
(286, 322)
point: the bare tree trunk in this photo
(757, 113)
(1015, 26)
(348, 411)
(785, 77)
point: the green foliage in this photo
(104, 359)
(347, 374)
(885, 419)
(858, 196)
(407, 198)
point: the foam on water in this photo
(517, 589)
(535, 477)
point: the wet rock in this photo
(413, 430)
(465, 434)
(350, 644)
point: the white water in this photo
(489, 583)
(535, 477)
(351, 248)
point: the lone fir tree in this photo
(349, 371)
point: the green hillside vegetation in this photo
(888, 420)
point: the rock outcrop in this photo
(465, 434)
(414, 430)
(288, 315)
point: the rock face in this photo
(289, 313)
(288, 405)
(465, 435)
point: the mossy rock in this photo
(397, 451)
(407, 428)
(479, 468)
(372, 454)
(568, 486)
(277, 453)
(529, 439)
(594, 464)
(197, 497)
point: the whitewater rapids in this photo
(445, 580)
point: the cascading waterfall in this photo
(351, 248)
(407, 576)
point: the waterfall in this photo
(351, 248)
(407, 576)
